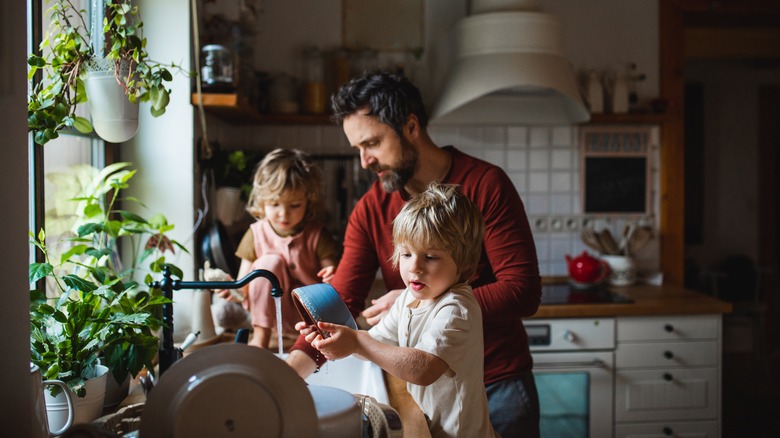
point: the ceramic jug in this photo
(40, 427)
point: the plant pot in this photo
(115, 392)
(114, 117)
(86, 409)
(230, 206)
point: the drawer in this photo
(668, 328)
(698, 429)
(570, 334)
(667, 394)
(667, 354)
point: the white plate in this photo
(229, 390)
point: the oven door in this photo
(575, 393)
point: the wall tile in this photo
(561, 204)
(561, 159)
(539, 159)
(539, 137)
(493, 137)
(538, 182)
(517, 159)
(520, 180)
(560, 182)
(562, 136)
(537, 204)
(517, 136)
(496, 156)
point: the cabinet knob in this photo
(568, 336)
(668, 377)
(668, 354)
(668, 431)
(668, 328)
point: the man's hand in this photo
(380, 306)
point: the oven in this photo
(574, 361)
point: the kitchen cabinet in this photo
(667, 376)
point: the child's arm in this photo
(243, 270)
(328, 270)
(410, 364)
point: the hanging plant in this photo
(68, 53)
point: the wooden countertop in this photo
(648, 301)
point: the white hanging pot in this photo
(114, 117)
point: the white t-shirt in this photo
(451, 329)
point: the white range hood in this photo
(509, 69)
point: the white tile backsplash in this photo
(561, 158)
(560, 182)
(539, 136)
(539, 182)
(539, 159)
(517, 136)
(517, 159)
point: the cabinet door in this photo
(667, 354)
(668, 328)
(667, 394)
(688, 429)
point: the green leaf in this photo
(76, 250)
(89, 229)
(82, 125)
(39, 270)
(130, 216)
(78, 283)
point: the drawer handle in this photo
(595, 363)
(668, 431)
(668, 328)
(668, 377)
(668, 354)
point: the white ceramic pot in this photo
(230, 207)
(114, 117)
(623, 270)
(86, 409)
(40, 418)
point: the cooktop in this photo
(565, 293)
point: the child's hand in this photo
(341, 343)
(327, 273)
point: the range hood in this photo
(509, 69)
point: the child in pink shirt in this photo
(286, 240)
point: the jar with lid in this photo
(314, 95)
(217, 68)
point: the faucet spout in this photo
(167, 284)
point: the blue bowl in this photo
(321, 302)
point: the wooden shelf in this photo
(628, 119)
(233, 108)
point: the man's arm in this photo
(510, 250)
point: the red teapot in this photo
(586, 270)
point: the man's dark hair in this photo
(389, 96)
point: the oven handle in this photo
(595, 363)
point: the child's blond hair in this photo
(284, 171)
(444, 219)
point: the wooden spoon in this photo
(608, 242)
(591, 240)
(641, 237)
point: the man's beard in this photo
(395, 179)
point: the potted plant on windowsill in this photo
(78, 68)
(95, 311)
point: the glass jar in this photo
(314, 95)
(216, 68)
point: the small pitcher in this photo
(40, 425)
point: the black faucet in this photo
(168, 354)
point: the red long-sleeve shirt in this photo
(507, 286)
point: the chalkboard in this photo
(615, 184)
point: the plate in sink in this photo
(229, 390)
